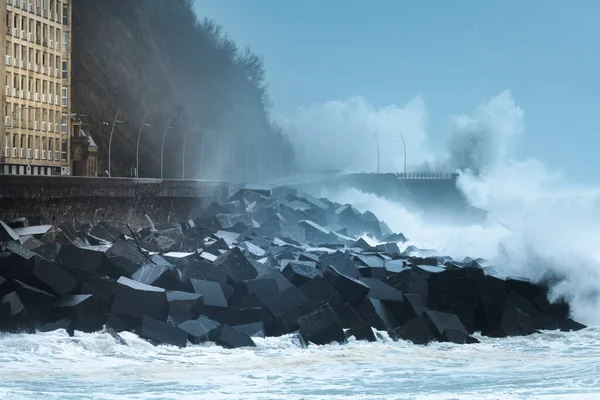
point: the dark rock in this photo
(159, 276)
(282, 282)
(377, 273)
(232, 339)
(37, 302)
(287, 307)
(116, 336)
(568, 325)
(512, 322)
(237, 265)
(15, 318)
(82, 310)
(202, 329)
(362, 332)
(409, 281)
(382, 291)
(352, 290)
(54, 277)
(121, 324)
(457, 337)
(136, 300)
(7, 234)
(214, 300)
(321, 327)
(376, 313)
(388, 248)
(524, 287)
(299, 273)
(441, 321)
(417, 330)
(160, 332)
(56, 325)
(16, 262)
(241, 316)
(254, 329)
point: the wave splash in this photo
(539, 225)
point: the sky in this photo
(419, 64)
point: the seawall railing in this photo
(428, 175)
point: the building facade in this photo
(84, 151)
(37, 76)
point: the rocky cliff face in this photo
(153, 58)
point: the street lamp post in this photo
(162, 148)
(137, 148)
(404, 143)
(110, 139)
(377, 140)
(183, 151)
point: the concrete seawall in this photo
(62, 199)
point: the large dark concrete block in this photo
(14, 316)
(241, 316)
(16, 262)
(321, 327)
(264, 289)
(160, 332)
(214, 298)
(457, 337)
(54, 277)
(413, 307)
(441, 321)
(231, 338)
(102, 287)
(82, 310)
(315, 233)
(362, 332)
(201, 329)
(287, 307)
(237, 265)
(37, 302)
(136, 300)
(203, 270)
(7, 234)
(121, 324)
(376, 313)
(417, 330)
(282, 282)
(524, 287)
(159, 276)
(409, 281)
(125, 258)
(299, 273)
(48, 251)
(57, 325)
(492, 296)
(254, 329)
(512, 322)
(92, 260)
(382, 291)
(352, 290)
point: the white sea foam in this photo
(93, 366)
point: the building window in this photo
(65, 42)
(65, 15)
(65, 69)
(63, 123)
(64, 97)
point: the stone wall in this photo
(61, 199)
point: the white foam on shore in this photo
(93, 366)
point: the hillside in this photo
(154, 58)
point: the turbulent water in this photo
(92, 366)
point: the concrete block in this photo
(7, 234)
(362, 332)
(82, 310)
(352, 290)
(299, 273)
(441, 321)
(417, 330)
(321, 327)
(231, 338)
(241, 316)
(160, 332)
(54, 277)
(237, 265)
(136, 300)
(201, 329)
(159, 276)
(15, 318)
(287, 307)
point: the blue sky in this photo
(453, 54)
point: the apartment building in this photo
(37, 78)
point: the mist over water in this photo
(539, 225)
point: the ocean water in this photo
(548, 365)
